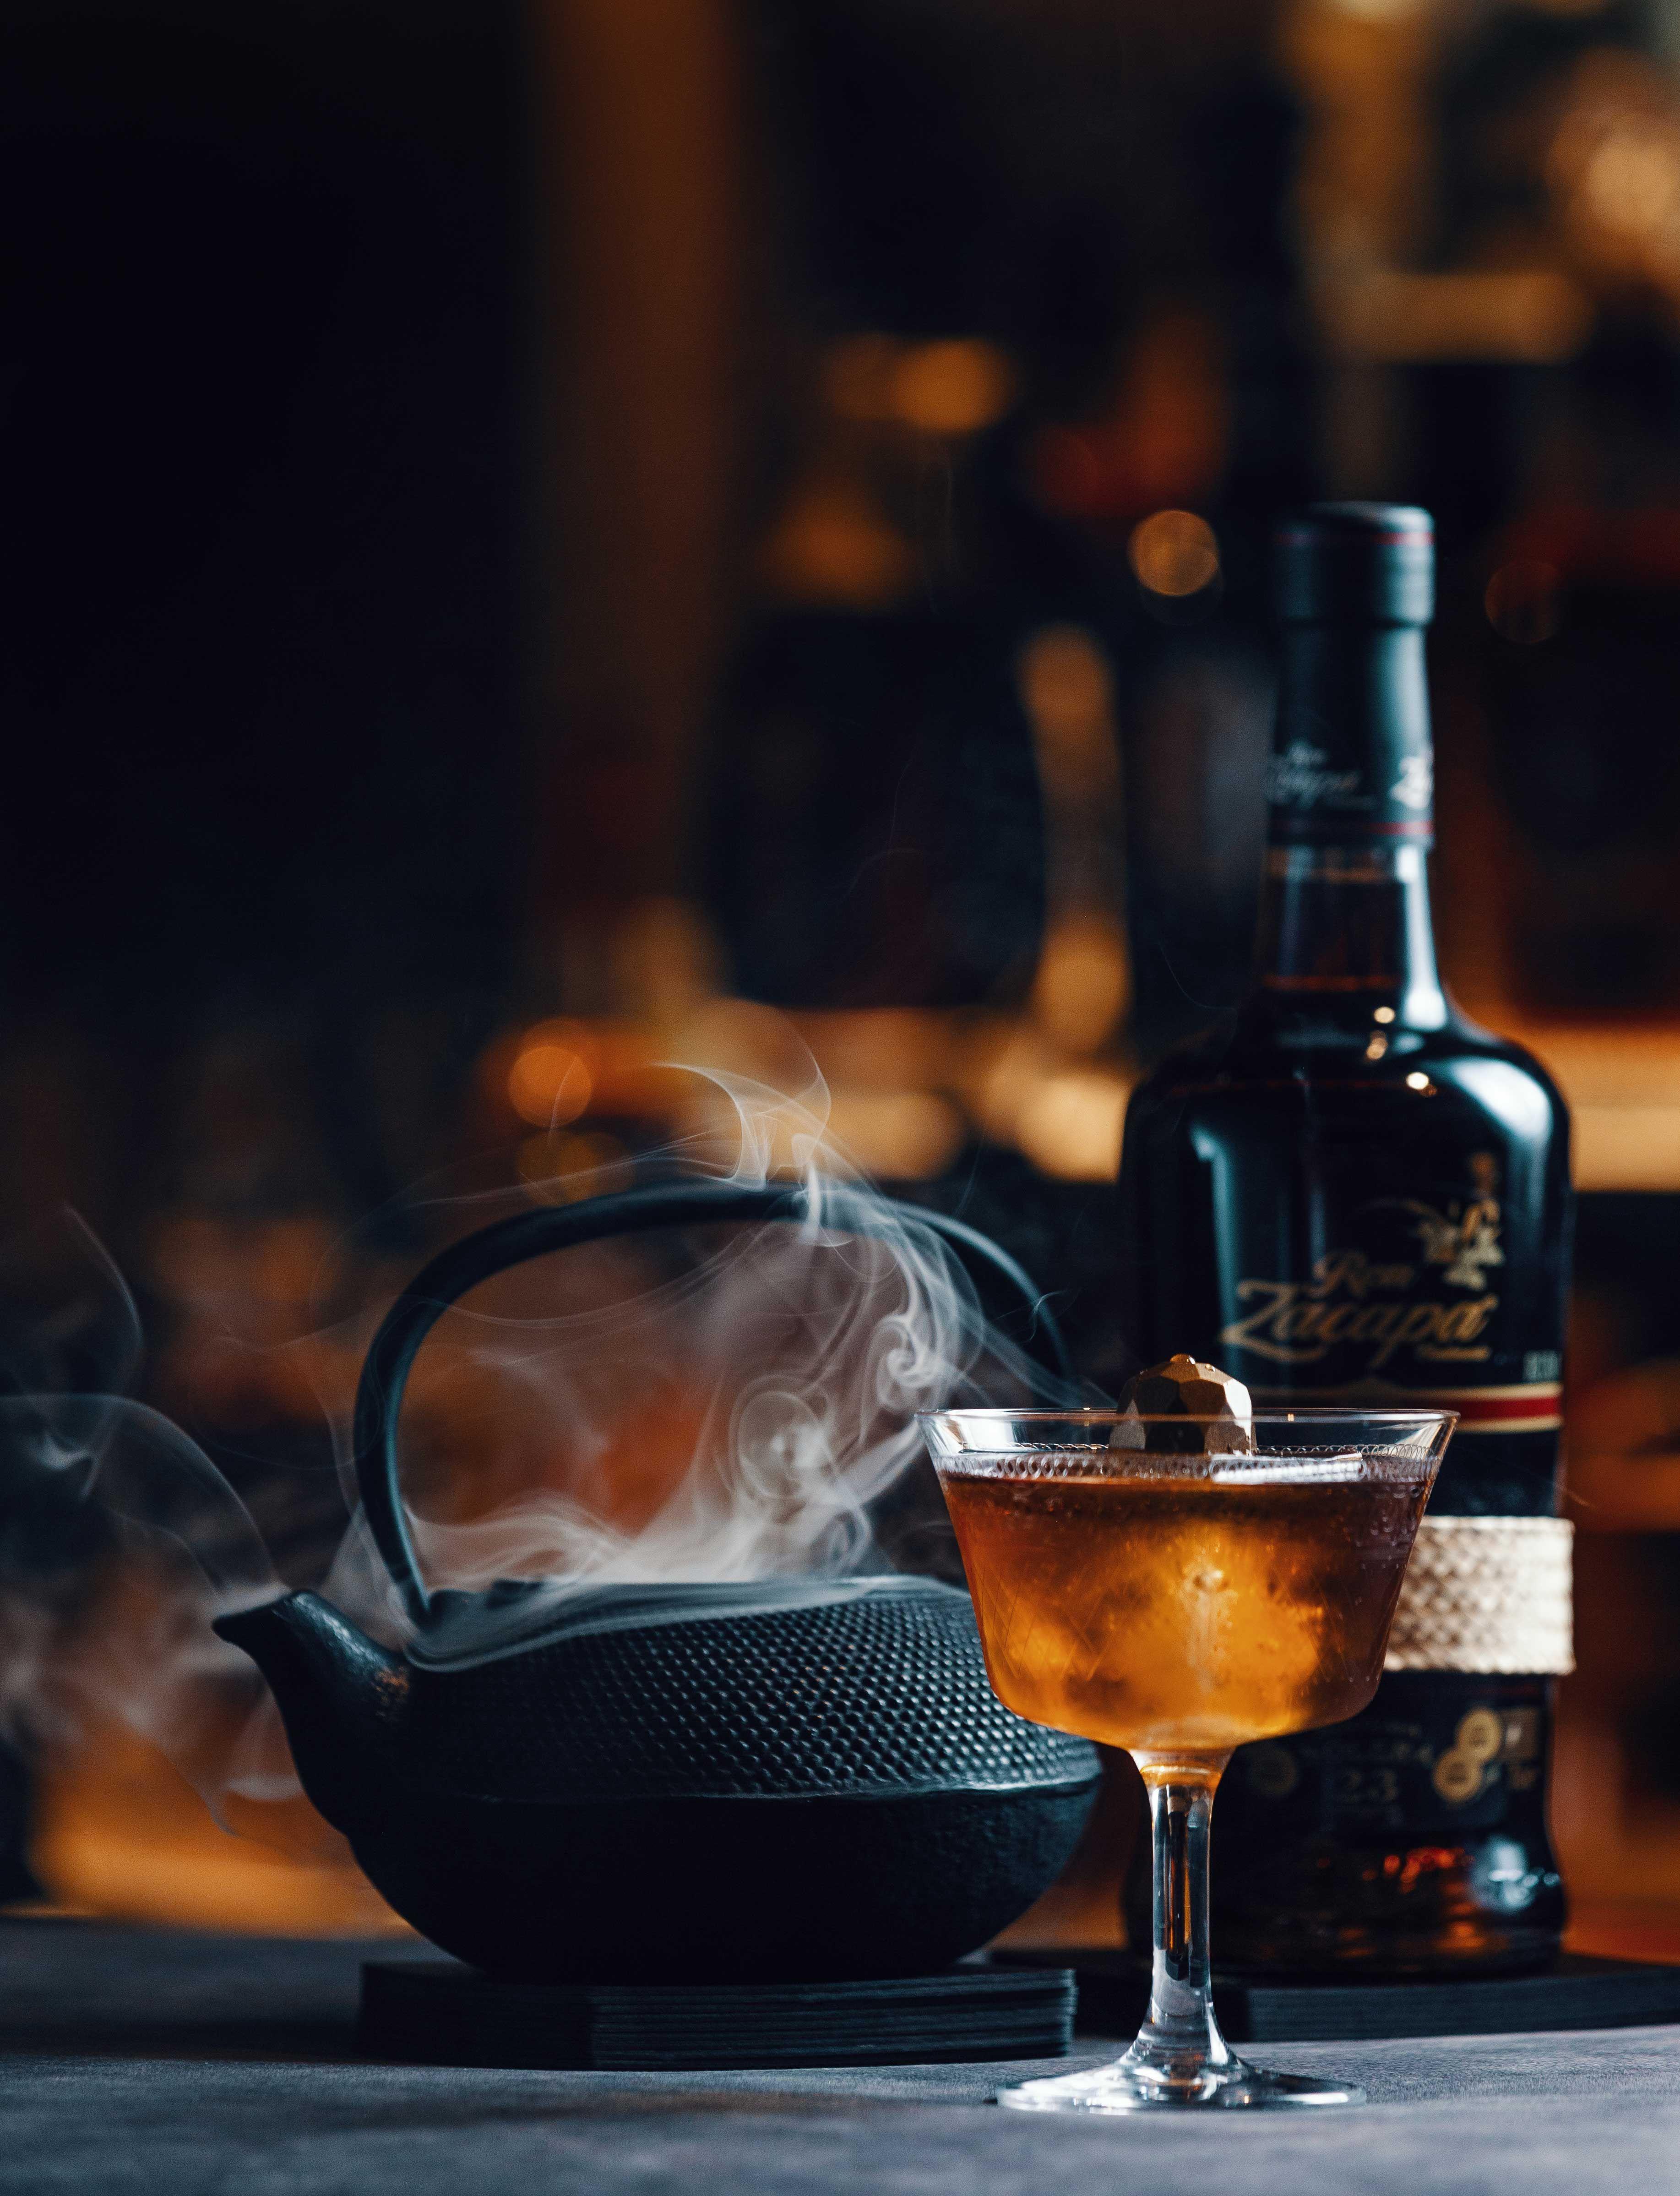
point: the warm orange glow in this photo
(1070, 1124)
(117, 1831)
(649, 1450)
(904, 1135)
(245, 1347)
(1615, 159)
(1065, 676)
(1614, 167)
(952, 388)
(1632, 178)
(833, 546)
(560, 1167)
(1083, 982)
(1535, 315)
(878, 1048)
(1068, 692)
(551, 1080)
(1174, 553)
(739, 1037)
(1623, 1085)
(1001, 1065)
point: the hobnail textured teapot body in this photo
(821, 1790)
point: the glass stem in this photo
(1180, 2036)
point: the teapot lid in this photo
(465, 1630)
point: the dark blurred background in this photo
(542, 539)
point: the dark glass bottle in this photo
(1349, 1191)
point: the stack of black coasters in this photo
(440, 2013)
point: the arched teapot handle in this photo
(534, 1234)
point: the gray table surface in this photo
(136, 2062)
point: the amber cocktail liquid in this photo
(1173, 1611)
(1178, 1583)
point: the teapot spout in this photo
(339, 1694)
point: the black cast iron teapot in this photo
(793, 1779)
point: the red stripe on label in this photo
(1491, 1410)
(1505, 1417)
(1532, 1408)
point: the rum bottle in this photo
(1349, 1192)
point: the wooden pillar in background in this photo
(640, 157)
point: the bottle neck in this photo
(1351, 760)
(1345, 932)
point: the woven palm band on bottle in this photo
(1486, 1594)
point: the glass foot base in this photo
(1121, 2088)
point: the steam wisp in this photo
(731, 1408)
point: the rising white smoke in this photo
(732, 1407)
(776, 1370)
(119, 1540)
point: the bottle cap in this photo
(1365, 562)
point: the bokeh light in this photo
(1174, 553)
(551, 1079)
(952, 388)
(1070, 1124)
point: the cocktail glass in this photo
(1162, 1585)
